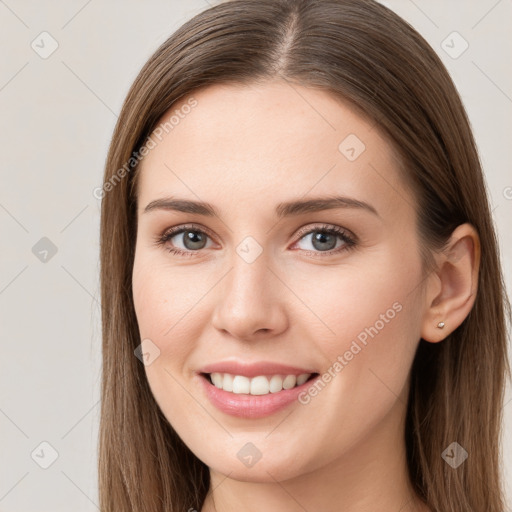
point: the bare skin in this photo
(244, 150)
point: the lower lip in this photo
(252, 406)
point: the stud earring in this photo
(440, 325)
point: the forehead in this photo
(241, 142)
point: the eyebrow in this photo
(285, 209)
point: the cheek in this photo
(365, 323)
(366, 329)
(374, 294)
(165, 298)
(171, 312)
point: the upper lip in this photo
(253, 369)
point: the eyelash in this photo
(349, 240)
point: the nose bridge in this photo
(248, 300)
(247, 283)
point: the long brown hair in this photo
(365, 54)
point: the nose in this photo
(250, 301)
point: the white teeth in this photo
(227, 383)
(257, 385)
(302, 378)
(276, 383)
(216, 379)
(289, 382)
(241, 384)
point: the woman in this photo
(303, 306)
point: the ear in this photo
(451, 288)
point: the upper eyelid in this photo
(184, 227)
(325, 226)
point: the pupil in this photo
(323, 238)
(194, 240)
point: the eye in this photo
(326, 239)
(188, 239)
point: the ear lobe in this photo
(453, 286)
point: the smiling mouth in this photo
(260, 385)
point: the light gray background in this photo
(57, 117)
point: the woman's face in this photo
(262, 281)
